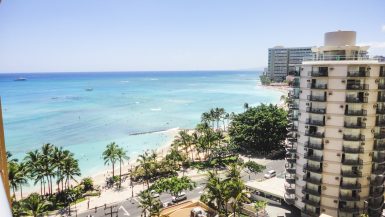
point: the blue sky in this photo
(130, 35)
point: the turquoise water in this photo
(57, 108)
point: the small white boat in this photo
(20, 79)
(89, 89)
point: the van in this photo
(180, 197)
(270, 174)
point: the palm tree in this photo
(239, 195)
(110, 155)
(35, 205)
(70, 170)
(22, 177)
(146, 202)
(147, 163)
(215, 193)
(13, 176)
(245, 106)
(183, 140)
(47, 164)
(33, 161)
(58, 157)
(122, 156)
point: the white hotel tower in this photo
(336, 141)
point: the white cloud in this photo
(373, 44)
(383, 28)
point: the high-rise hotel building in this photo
(336, 142)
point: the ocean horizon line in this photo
(136, 71)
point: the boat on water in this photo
(20, 79)
(89, 89)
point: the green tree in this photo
(174, 185)
(88, 184)
(35, 205)
(122, 156)
(216, 193)
(260, 129)
(70, 170)
(110, 155)
(148, 164)
(260, 205)
(148, 203)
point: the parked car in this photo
(180, 197)
(270, 174)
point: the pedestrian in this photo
(88, 203)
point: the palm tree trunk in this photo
(21, 192)
(120, 173)
(113, 170)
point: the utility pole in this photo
(111, 211)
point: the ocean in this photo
(83, 112)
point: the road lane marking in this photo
(124, 210)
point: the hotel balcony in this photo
(292, 139)
(379, 170)
(377, 192)
(376, 204)
(359, 137)
(379, 135)
(351, 210)
(379, 146)
(291, 159)
(315, 122)
(348, 197)
(314, 145)
(351, 174)
(356, 99)
(315, 57)
(317, 98)
(350, 186)
(380, 111)
(358, 74)
(313, 157)
(378, 159)
(319, 73)
(312, 180)
(380, 123)
(289, 198)
(290, 189)
(357, 87)
(354, 125)
(311, 202)
(352, 161)
(382, 71)
(290, 170)
(293, 106)
(361, 112)
(292, 117)
(309, 212)
(377, 181)
(381, 98)
(312, 168)
(318, 86)
(290, 179)
(351, 150)
(381, 86)
(294, 96)
(314, 134)
(291, 149)
(292, 128)
(306, 190)
(316, 110)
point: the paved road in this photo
(129, 207)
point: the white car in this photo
(180, 197)
(270, 174)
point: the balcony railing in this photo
(309, 212)
(379, 135)
(350, 186)
(381, 99)
(352, 150)
(338, 57)
(377, 181)
(316, 110)
(314, 134)
(358, 74)
(306, 190)
(319, 73)
(377, 192)
(380, 123)
(348, 197)
(290, 170)
(312, 168)
(357, 86)
(356, 99)
(379, 159)
(379, 146)
(376, 204)
(315, 122)
(290, 180)
(318, 86)
(289, 189)
(313, 157)
(317, 98)
(312, 180)
(314, 145)
(379, 170)
(350, 173)
(295, 84)
(380, 111)
(354, 125)
(352, 161)
(348, 137)
(351, 210)
(289, 199)
(361, 112)
(310, 202)
(292, 128)
(381, 86)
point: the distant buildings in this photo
(336, 141)
(282, 60)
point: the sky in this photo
(140, 35)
